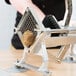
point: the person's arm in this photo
(21, 6)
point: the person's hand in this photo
(21, 6)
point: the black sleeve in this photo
(18, 18)
(7, 1)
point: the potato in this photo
(28, 38)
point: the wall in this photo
(7, 20)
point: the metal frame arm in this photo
(69, 7)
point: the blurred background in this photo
(7, 21)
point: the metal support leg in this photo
(20, 64)
(44, 66)
(72, 57)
